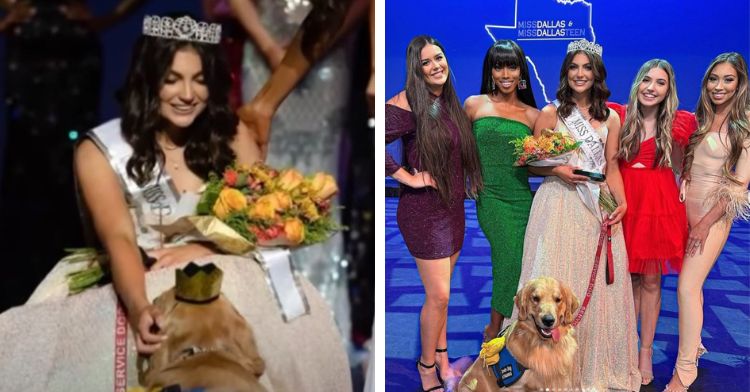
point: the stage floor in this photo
(726, 332)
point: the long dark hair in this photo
(207, 148)
(506, 53)
(738, 129)
(321, 25)
(599, 91)
(433, 137)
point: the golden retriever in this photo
(541, 340)
(209, 346)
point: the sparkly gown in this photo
(432, 229)
(503, 205)
(306, 134)
(57, 342)
(561, 241)
(706, 186)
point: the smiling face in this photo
(434, 66)
(506, 78)
(722, 83)
(580, 74)
(183, 93)
(654, 87)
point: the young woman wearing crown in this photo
(566, 225)
(147, 169)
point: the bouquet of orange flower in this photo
(267, 207)
(549, 149)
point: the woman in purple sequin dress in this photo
(440, 165)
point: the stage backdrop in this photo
(687, 33)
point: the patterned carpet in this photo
(726, 332)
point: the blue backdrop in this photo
(687, 33)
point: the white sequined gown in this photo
(57, 342)
(306, 133)
(561, 241)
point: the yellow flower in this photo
(309, 209)
(294, 230)
(264, 208)
(229, 200)
(289, 179)
(283, 200)
(323, 186)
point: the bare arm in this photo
(257, 113)
(247, 14)
(614, 177)
(106, 202)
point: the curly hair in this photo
(208, 146)
(599, 92)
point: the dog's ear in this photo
(522, 301)
(244, 340)
(571, 303)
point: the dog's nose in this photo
(548, 320)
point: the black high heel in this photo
(437, 373)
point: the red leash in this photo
(604, 234)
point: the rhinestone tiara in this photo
(585, 45)
(183, 28)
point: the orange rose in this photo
(294, 230)
(309, 209)
(264, 208)
(323, 186)
(283, 200)
(229, 200)
(289, 179)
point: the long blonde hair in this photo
(738, 129)
(632, 129)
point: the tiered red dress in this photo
(655, 224)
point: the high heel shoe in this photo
(682, 388)
(437, 373)
(647, 376)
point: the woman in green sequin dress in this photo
(504, 111)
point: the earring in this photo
(522, 84)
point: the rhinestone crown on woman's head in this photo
(183, 28)
(585, 45)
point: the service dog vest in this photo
(507, 370)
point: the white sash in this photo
(154, 204)
(591, 157)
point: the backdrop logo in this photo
(549, 29)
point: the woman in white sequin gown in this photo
(58, 342)
(562, 235)
(307, 126)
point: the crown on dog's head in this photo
(198, 284)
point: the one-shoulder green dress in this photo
(503, 205)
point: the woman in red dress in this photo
(653, 136)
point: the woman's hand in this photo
(148, 323)
(616, 216)
(421, 180)
(178, 254)
(565, 173)
(697, 239)
(257, 118)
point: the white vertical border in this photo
(379, 323)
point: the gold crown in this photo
(586, 46)
(198, 284)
